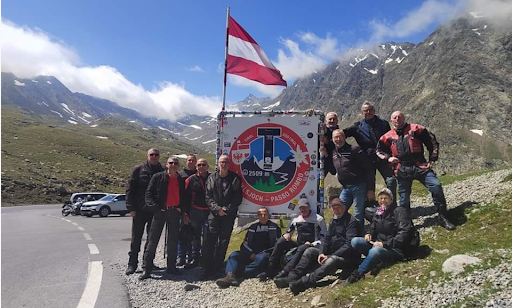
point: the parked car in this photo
(110, 204)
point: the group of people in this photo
(209, 203)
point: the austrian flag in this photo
(246, 58)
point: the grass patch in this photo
(484, 230)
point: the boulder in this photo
(456, 264)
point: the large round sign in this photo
(272, 161)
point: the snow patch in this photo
(337, 67)
(72, 122)
(352, 64)
(383, 46)
(60, 115)
(66, 109)
(49, 82)
(86, 115)
(399, 60)
(193, 126)
(45, 104)
(430, 43)
(132, 121)
(375, 55)
(163, 128)
(273, 105)
(477, 131)
(388, 60)
(209, 141)
(476, 14)
(35, 81)
(102, 137)
(95, 125)
(374, 72)
(485, 26)
(296, 85)
(145, 128)
(180, 156)
(19, 84)
(314, 80)
(83, 119)
(404, 52)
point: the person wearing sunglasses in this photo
(135, 199)
(223, 196)
(199, 210)
(167, 198)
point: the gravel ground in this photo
(169, 291)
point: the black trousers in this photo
(296, 258)
(141, 220)
(217, 241)
(281, 247)
(172, 218)
(309, 261)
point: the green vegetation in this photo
(267, 187)
(42, 161)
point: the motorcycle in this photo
(71, 208)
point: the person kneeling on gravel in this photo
(310, 231)
(252, 257)
(335, 252)
(391, 236)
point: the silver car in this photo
(110, 204)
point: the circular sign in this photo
(272, 161)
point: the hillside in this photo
(43, 163)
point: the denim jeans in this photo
(250, 268)
(430, 181)
(387, 174)
(355, 194)
(373, 254)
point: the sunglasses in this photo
(201, 165)
(154, 154)
(173, 163)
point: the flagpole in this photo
(220, 117)
(225, 60)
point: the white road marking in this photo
(74, 223)
(93, 249)
(81, 228)
(67, 220)
(92, 287)
(87, 237)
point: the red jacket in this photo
(406, 144)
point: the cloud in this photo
(429, 13)
(195, 68)
(31, 52)
(497, 12)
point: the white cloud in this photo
(28, 53)
(195, 68)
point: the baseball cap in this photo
(303, 202)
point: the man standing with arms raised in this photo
(223, 196)
(402, 148)
(135, 195)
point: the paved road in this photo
(50, 262)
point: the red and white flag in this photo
(246, 58)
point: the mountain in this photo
(457, 82)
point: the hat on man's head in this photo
(336, 202)
(303, 202)
(387, 192)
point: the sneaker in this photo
(131, 269)
(445, 223)
(228, 281)
(354, 277)
(192, 264)
(173, 271)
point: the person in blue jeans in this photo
(390, 235)
(355, 172)
(252, 258)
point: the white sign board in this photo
(277, 159)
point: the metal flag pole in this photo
(220, 117)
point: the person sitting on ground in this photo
(335, 252)
(252, 257)
(310, 230)
(391, 236)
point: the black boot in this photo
(297, 286)
(354, 277)
(131, 269)
(145, 274)
(445, 223)
(228, 281)
(281, 274)
(282, 283)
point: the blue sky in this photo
(162, 57)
